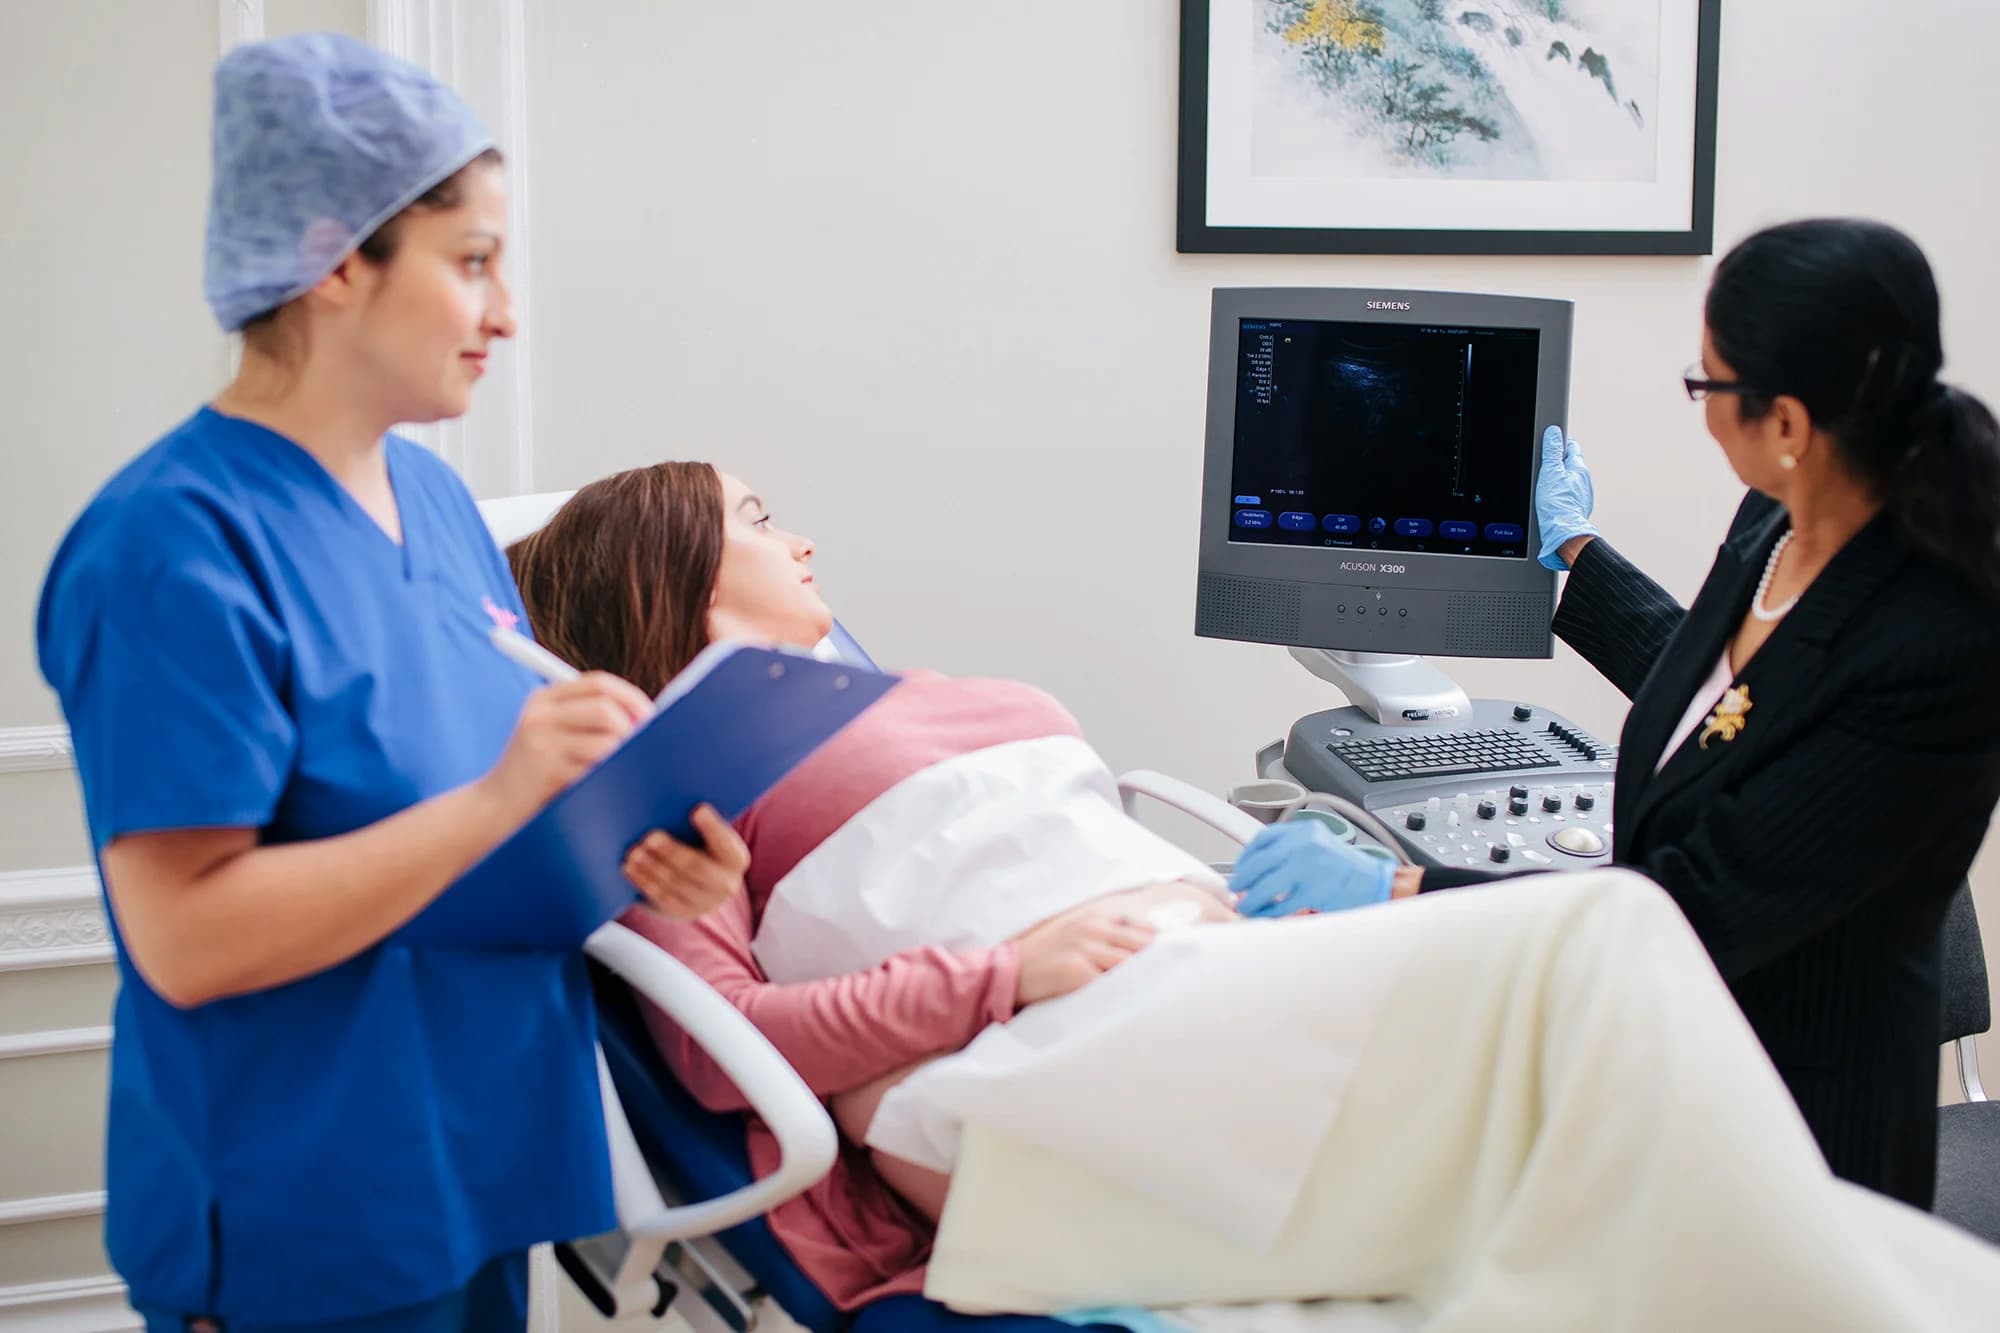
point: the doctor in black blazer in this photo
(1813, 749)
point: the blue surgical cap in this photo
(319, 140)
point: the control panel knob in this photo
(1522, 712)
(1517, 805)
(1486, 809)
(1499, 852)
(1584, 800)
(1518, 790)
(1414, 820)
(1552, 803)
(1577, 841)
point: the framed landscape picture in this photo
(1448, 126)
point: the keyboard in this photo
(1390, 758)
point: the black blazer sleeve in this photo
(1615, 616)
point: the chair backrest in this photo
(515, 516)
(1966, 1003)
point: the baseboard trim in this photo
(74, 1305)
(52, 918)
(36, 749)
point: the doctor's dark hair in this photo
(1842, 314)
(621, 578)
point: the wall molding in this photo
(54, 1041)
(240, 21)
(485, 59)
(35, 749)
(74, 1305)
(50, 1208)
(52, 918)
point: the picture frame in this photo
(1490, 127)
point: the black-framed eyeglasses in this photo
(1699, 386)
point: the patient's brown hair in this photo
(620, 579)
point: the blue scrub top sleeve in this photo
(171, 665)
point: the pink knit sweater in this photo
(851, 1234)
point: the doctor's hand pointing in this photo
(567, 728)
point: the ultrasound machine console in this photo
(1367, 498)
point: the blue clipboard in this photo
(728, 728)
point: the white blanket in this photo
(1201, 1074)
(1560, 1122)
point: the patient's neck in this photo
(734, 627)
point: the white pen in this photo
(524, 651)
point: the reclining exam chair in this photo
(700, 1154)
(715, 1261)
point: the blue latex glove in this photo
(1298, 865)
(1563, 496)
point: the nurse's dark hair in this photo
(1842, 314)
(620, 579)
(266, 332)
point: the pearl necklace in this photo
(1764, 585)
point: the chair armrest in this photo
(1968, 1070)
(1190, 800)
(807, 1141)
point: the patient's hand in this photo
(1069, 951)
(686, 882)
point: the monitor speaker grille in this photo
(1477, 624)
(1262, 611)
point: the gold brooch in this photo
(1727, 719)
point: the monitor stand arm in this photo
(1395, 690)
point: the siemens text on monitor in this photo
(1369, 473)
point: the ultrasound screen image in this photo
(1384, 436)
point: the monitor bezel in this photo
(1428, 570)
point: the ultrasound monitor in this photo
(1369, 475)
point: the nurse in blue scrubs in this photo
(269, 635)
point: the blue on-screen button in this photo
(1455, 530)
(1505, 532)
(1253, 518)
(1413, 527)
(1296, 522)
(1249, 500)
(1347, 523)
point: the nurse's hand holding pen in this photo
(564, 729)
(567, 727)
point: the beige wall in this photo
(910, 270)
(107, 342)
(282, 17)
